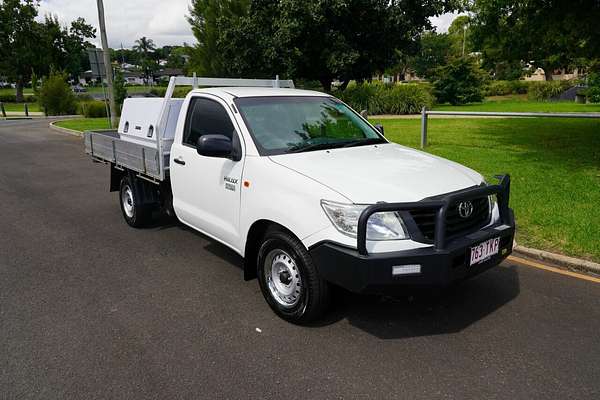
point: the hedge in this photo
(379, 98)
(546, 90)
(92, 109)
(179, 92)
(503, 88)
(11, 98)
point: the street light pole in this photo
(107, 64)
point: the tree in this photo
(56, 95)
(435, 51)
(551, 33)
(205, 18)
(145, 47)
(76, 45)
(319, 40)
(120, 89)
(28, 46)
(177, 57)
(459, 82)
(459, 35)
(65, 48)
(19, 40)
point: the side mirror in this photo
(379, 127)
(214, 146)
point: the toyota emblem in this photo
(465, 209)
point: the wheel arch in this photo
(255, 234)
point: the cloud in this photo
(442, 22)
(127, 20)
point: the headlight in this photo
(381, 226)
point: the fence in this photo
(425, 113)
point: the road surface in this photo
(91, 308)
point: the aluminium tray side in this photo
(108, 146)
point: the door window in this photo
(206, 117)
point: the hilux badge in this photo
(465, 209)
(230, 183)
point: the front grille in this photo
(455, 224)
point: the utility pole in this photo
(464, 39)
(107, 65)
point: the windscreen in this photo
(281, 125)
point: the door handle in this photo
(179, 161)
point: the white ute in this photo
(307, 191)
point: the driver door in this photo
(206, 190)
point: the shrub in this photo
(593, 90)
(498, 88)
(159, 92)
(361, 97)
(546, 90)
(56, 95)
(459, 82)
(504, 88)
(379, 98)
(92, 109)
(407, 99)
(11, 98)
(519, 87)
(180, 92)
(120, 89)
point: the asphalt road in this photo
(93, 309)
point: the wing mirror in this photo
(379, 127)
(214, 146)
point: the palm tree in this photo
(144, 47)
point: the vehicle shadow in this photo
(418, 312)
(427, 312)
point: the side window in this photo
(206, 117)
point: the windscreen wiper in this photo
(364, 142)
(315, 146)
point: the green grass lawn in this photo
(520, 104)
(20, 107)
(554, 165)
(84, 124)
(9, 91)
(130, 89)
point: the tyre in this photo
(135, 212)
(289, 280)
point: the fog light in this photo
(406, 269)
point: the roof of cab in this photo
(258, 92)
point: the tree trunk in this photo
(19, 87)
(548, 74)
(326, 83)
(344, 84)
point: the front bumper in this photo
(442, 264)
(373, 273)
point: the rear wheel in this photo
(289, 280)
(135, 212)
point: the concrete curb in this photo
(64, 130)
(570, 263)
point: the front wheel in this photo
(289, 280)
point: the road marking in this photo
(553, 269)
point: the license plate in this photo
(484, 251)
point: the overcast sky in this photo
(161, 20)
